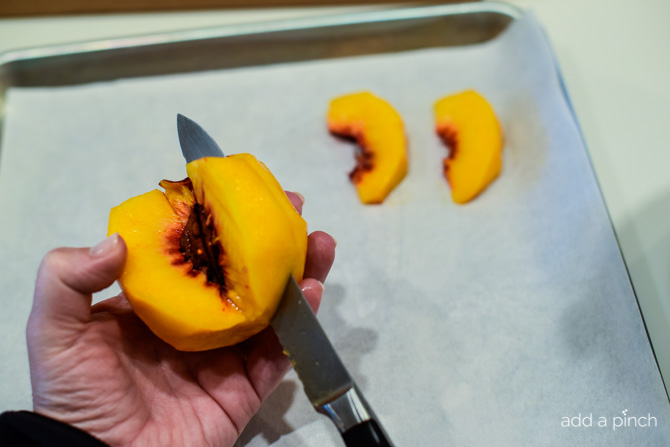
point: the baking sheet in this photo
(483, 324)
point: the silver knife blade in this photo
(194, 141)
(325, 380)
(319, 368)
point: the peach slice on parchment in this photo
(467, 124)
(209, 258)
(381, 163)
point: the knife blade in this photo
(326, 381)
(195, 142)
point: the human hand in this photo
(99, 368)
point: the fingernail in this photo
(310, 285)
(104, 247)
(302, 198)
(334, 240)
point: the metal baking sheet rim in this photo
(292, 25)
(249, 29)
(53, 55)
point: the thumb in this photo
(65, 282)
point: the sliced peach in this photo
(381, 163)
(209, 258)
(467, 124)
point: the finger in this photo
(297, 199)
(266, 362)
(313, 290)
(66, 279)
(116, 304)
(320, 255)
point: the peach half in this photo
(381, 162)
(467, 124)
(209, 258)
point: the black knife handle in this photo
(355, 420)
(366, 434)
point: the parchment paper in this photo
(483, 324)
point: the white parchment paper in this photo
(483, 324)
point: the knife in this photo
(325, 379)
